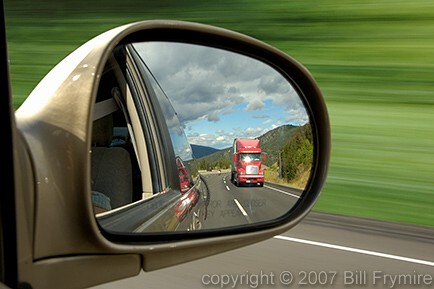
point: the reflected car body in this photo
(184, 176)
(172, 203)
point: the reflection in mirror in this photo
(240, 140)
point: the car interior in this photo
(115, 172)
(110, 166)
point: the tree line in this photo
(297, 155)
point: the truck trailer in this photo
(246, 163)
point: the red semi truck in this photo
(246, 164)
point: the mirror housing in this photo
(57, 227)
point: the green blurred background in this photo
(373, 60)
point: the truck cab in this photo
(247, 162)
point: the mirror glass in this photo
(236, 133)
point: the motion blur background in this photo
(373, 60)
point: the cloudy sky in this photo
(220, 95)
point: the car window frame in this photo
(157, 122)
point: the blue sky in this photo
(220, 95)
(239, 123)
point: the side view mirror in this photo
(125, 145)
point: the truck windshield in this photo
(247, 158)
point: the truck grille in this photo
(252, 170)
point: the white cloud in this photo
(215, 86)
(254, 105)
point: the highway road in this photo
(231, 205)
(323, 251)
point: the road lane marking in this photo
(355, 250)
(240, 207)
(243, 211)
(283, 192)
(227, 188)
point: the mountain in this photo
(273, 141)
(202, 151)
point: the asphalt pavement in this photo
(323, 251)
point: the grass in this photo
(272, 176)
(373, 61)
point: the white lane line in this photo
(227, 188)
(240, 207)
(283, 192)
(355, 250)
